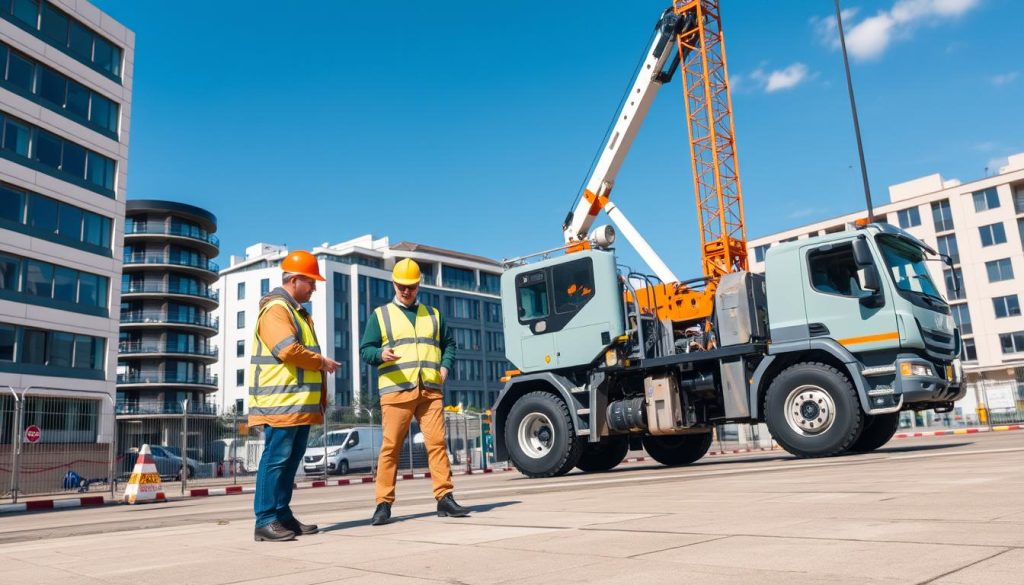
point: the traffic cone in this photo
(144, 484)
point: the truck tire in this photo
(673, 450)
(878, 429)
(604, 455)
(812, 410)
(540, 436)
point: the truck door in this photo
(839, 306)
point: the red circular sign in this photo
(33, 434)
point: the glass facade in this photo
(42, 217)
(342, 339)
(41, 351)
(41, 283)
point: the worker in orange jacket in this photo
(287, 393)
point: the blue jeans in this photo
(282, 452)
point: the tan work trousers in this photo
(399, 408)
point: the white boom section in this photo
(627, 123)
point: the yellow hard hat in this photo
(406, 272)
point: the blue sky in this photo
(471, 125)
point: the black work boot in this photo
(273, 532)
(381, 514)
(299, 528)
(446, 506)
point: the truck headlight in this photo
(333, 452)
(910, 369)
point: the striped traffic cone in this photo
(144, 484)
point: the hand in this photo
(389, 355)
(444, 374)
(329, 365)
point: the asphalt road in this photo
(930, 510)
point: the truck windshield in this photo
(906, 265)
(333, 440)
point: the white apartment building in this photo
(65, 112)
(980, 224)
(462, 286)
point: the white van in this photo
(347, 449)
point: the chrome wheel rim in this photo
(536, 435)
(810, 410)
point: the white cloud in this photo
(870, 37)
(1004, 78)
(780, 79)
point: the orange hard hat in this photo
(302, 262)
(406, 272)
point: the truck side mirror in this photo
(871, 280)
(862, 253)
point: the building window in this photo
(495, 370)
(970, 351)
(50, 352)
(264, 286)
(240, 320)
(466, 339)
(495, 342)
(987, 199)
(461, 278)
(241, 291)
(42, 283)
(962, 316)
(56, 91)
(468, 370)
(493, 312)
(462, 308)
(49, 219)
(1008, 306)
(992, 234)
(951, 293)
(942, 215)
(909, 217)
(240, 377)
(760, 252)
(1018, 199)
(56, 156)
(999, 270)
(64, 32)
(1012, 342)
(947, 245)
(240, 348)
(490, 283)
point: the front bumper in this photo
(920, 381)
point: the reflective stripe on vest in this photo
(277, 388)
(418, 347)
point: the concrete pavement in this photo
(938, 510)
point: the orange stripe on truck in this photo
(870, 338)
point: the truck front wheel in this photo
(812, 410)
(604, 455)
(675, 450)
(540, 437)
(878, 429)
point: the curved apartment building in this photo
(167, 320)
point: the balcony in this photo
(157, 408)
(164, 379)
(209, 298)
(141, 349)
(177, 231)
(169, 260)
(162, 318)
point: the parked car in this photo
(166, 459)
(346, 449)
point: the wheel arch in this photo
(521, 385)
(783, 355)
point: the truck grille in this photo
(313, 458)
(940, 345)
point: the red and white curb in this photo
(969, 431)
(34, 505)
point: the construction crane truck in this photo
(841, 332)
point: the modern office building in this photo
(65, 112)
(167, 320)
(358, 272)
(980, 224)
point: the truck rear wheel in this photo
(812, 410)
(540, 436)
(605, 455)
(675, 450)
(878, 429)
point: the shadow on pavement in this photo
(912, 448)
(396, 519)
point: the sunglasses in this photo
(406, 287)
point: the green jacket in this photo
(370, 349)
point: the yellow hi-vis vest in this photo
(418, 347)
(281, 394)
